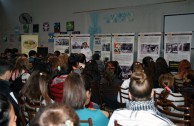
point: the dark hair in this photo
(43, 67)
(184, 66)
(73, 60)
(74, 93)
(87, 82)
(161, 67)
(32, 53)
(91, 69)
(5, 106)
(14, 50)
(140, 87)
(37, 86)
(57, 53)
(137, 67)
(5, 66)
(55, 115)
(149, 67)
(96, 56)
(81, 58)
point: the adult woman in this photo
(7, 114)
(140, 110)
(161, 68)
(20, 73)
(183, 67)
(35, 93)
(110, 81)
(74, 95)
(149, 67)
(55, 115)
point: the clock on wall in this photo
(25, 18)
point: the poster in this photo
(149, 45)
(35, 28)
(62, 44)
(57, 27)
(29, 42)
(122, 51)
(45, 26)
(77, 40)
(177, 46)
(102, 45)
(50, 37)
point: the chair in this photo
(177, 114)
(89, 121)
(123, 94)
(176, 98)
(116, 124)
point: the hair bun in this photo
(139, 77)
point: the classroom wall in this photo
(89, 16)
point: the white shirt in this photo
(125, 84)
(127, 117)
(88, 53)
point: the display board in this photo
(180, 23)
(77, 40)
(102, 45)
(123, 51)
(62, 43)
(148, 45)
(177, 46)
(29, 42)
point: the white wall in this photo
(148, 15)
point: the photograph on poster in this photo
(126, 48)
(149, 49)
(97, 42)
(106, 47)
(117, 48)
(75, 45)
(172, 48)
(62, 42)
(186, 46)
(126, 72)
(67, 50)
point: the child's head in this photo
(166, 80)
(55, 115)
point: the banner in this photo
(122, 51)
(29, 42)
(62, 43)
(177, 46)
(148, 45)
(102, 45)
(77, 40)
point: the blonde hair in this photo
(140, 86)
